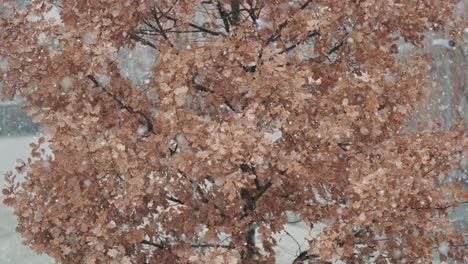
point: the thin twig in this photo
(206, 30)
(299, 247)
(146, 242)
(142, 40)
(158, 23)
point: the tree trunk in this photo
(235, 6)
(251, 241)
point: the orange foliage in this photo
(233, 129)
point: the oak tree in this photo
(253, 109)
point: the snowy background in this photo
(11, 249)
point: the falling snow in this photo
(137, 64)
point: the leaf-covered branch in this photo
(202, 194)
(284, 24)
(202, 88)
(165, 247)
(141, 117)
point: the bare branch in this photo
(158, 23)
(202, 88)
(335, 48)
(211, 246)
(252, 200)
(299, 247)
(203, 29)
(214, 33)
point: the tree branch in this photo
(224, 15)
(157, 30)
(251, 201)
(303, 256)
(142, 40)
(146, 242)
(335, 48)
(158, 23)
(251, 12)
(437, 208)
(299, 247)
(281, 26)
(202, 88)
(263, 190)
(203, 29)
(211, 246)
(250, 241)
(204, 199)
(175, 200)
(143, 119)
(162, 247)
(293, 46)
(214, 33)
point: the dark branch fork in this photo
(157, 29)
(203, 88)
(142, 118)
(202, 194)
(251, 201)
(162, 31)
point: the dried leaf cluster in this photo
(234, 128)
